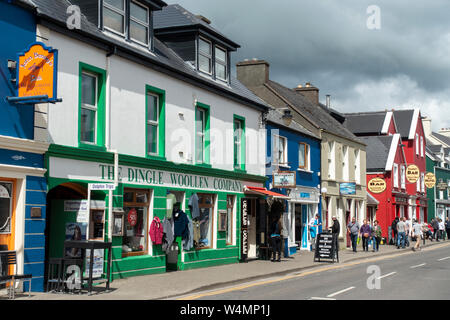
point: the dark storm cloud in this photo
(328, 43)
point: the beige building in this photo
(343, 155)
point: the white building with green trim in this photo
(152, 109)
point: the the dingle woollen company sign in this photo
(37, 72)
(412, 173)
(376, 185)
(430, 180)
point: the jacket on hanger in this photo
(193, 206)
(156, 231)
(168, 235)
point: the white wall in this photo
(128, 81)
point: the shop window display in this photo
(206, 220)
(136, 209)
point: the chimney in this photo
(426, 123)
(328, 101)
(253, 73)
(309, 91)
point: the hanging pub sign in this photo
(376, 185)
(412, 173)
(284, 179)
(430, 180)
(36, 72)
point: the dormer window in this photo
(211, 61)
(129, 19)
(221, 63)
(205, 56)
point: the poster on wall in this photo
(75, 231)
(244, 228)
(347, 188)
(97, 269)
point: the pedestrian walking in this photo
(441, 229)
(365, 233)
(353, 230)
(427, 234)
(275, 237)
(435, 225)
(401, 231)
(376, 236)
(408, 231)
(394, 229)
(417, 233)
(447, 228)
(314, 230)
(335, 230)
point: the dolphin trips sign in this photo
(85, 170)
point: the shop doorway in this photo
(7, 213)
(347, 221)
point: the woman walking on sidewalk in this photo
(365, 232)
(376, 236)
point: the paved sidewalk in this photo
(171, 284)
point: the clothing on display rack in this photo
(168, 234)
(189, 242)
(181, 224)
(170, 202)
(156, 231)
(193, 206)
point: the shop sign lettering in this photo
(430, 180)
(169, 179)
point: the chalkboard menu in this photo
(326, 248)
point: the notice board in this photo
(326, 248)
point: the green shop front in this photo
(140, 192)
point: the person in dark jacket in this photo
(447, 228)
(435, 225)
(394, 229)
(275, 237)
(335, 230)
(365, 232)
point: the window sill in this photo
(91, 147)
(156, 157)
(282, 166)
(304, 170)
(203, 165)
(240, 171)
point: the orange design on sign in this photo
(36, 72)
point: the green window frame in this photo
(96, 106)
(239, 143)
(202, 135)
(155, 122)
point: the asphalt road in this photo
(423, 275)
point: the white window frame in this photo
(223, 63)
(357, 166)
(421, 146)
(276, 150)
(142, 23)
(203, 134)
(200, 53)
(402, 176)
(417, 144)
(395, 175)
(153, 123)
(118, 11)
(331, 160)
(91, 107)
(345, 164)
(422, 182)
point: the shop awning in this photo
(265, 192)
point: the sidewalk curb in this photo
(286, 272)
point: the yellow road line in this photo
(303, 274)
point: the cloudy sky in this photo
(400, 61)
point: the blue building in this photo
(23, 143)
(292, 148)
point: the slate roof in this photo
(377, 152)
(275, 115)
(175, 16)
(317, 114)
(163, 58)
(441, 137)
(435, 148)
(403, 119)
(365, 122)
